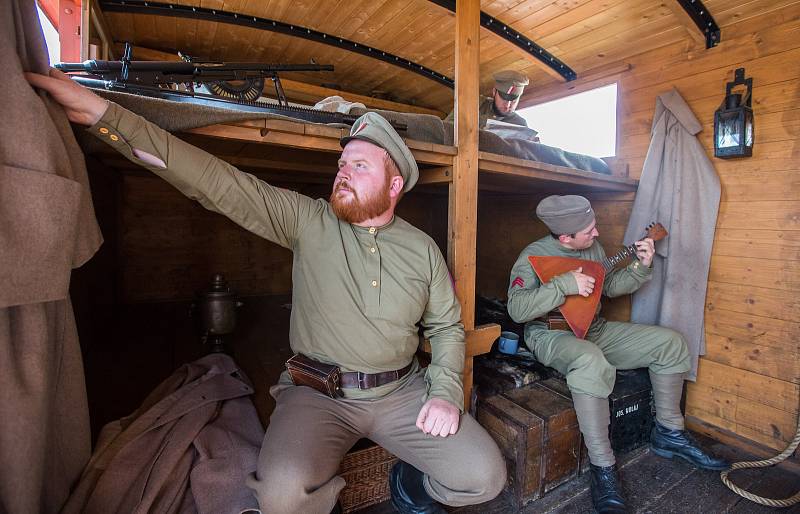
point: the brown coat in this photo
(188, 448)
(47, 227)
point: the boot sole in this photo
(668, 454)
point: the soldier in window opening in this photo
(362, 280)
(590, 365)
(508, 87)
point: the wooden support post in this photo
(463, 198)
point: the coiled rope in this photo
(763, 464)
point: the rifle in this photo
(235, 85)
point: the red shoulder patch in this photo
(518, 282)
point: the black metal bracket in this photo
(216, 15)
(704, 21)
(519, 40)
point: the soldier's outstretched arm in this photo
(273, 213)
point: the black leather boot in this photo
(606, 490)
(667, 442)
(408, 494)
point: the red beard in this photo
(354, 209)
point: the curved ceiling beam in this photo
(519, 40)
(216, 15)
(704, 21)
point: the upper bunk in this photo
(286, 148)
(399, 56)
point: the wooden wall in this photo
(749, 380)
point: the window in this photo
(583, 123)
(50, 37)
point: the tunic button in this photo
(374, 283)
(103, 130)
(371, 230)
(372, 249)
(113, 137)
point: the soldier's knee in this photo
(286, 492)
(674, 348)
(487, 478)
(591, 373)
(592, 361)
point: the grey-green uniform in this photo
(486, 112)
(509, 85)
(590, 364)
(358, 294)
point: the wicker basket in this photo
(367, 475)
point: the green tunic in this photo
(589, 365)
(358, 292)
(529, 299)
(485, 112)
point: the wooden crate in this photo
(537, 431)
(366, 472)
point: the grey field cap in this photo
(566, 214)
(373, 128)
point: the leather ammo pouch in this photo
(305, 371)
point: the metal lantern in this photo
(733, 121)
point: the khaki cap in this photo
(565, 214)
(373, 128)
(510, 83)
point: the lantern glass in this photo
(729, 129)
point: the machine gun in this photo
(232, 85)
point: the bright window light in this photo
(583, 123)
(50, 37)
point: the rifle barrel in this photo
(98, 67)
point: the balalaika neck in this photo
(610, 263)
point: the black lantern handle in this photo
(739, 80)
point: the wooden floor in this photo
(656, 485)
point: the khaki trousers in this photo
(309, 434)
(590, 365)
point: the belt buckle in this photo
(363, 382)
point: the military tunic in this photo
(358, 292)
(589, 365)
(486, 112)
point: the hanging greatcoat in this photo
(680, 189)
(47, 227)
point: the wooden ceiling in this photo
(586, 34)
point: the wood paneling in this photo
(748, 379)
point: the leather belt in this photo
(359, 380)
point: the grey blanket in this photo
(176, 116)
(680, 189)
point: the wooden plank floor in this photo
(659, 486)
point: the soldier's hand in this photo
(585, 282)
(438, 417)
(645, 249)
(81, 105)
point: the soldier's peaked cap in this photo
(373, 128)
(510, 83)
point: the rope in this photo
(763, 464)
